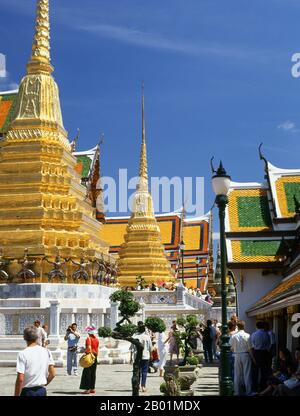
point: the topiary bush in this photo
(192, 360)
(155, 324)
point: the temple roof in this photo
(7, 107)
(286, 288)
(260, 214)
(195, 234)
(86, 161)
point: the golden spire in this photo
(143, 174)
(40, 55)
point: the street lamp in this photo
(197, 261)
(221, 185)
(182, 247)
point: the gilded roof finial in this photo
(143, 174)
(75, 141)
(40, 55)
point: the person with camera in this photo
(72, 337)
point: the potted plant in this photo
(187, 337)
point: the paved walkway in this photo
(112, 380)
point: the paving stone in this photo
(112, 380)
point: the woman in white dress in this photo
(162, 352)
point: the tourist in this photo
(208, 337)
(208, 298)
(232, 329)
(162, 352)
(88, 378)
(153, 287)
(283, 370)
(198, 293)
(42, 336)
(154, 359)
(272, 355)
(35, 366)
(261, 344)
(173, 341)
(216, 336)
(291, 387)
(145, 340)
(241, 347)
(72, 337)
(46, 329)
(163, 287)
(234, 318)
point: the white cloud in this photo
(157, 41)
(7, 84)
(289, 126)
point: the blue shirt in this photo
(260, 340)
(72, 340)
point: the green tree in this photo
(189, 323)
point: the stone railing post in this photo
(180, 298)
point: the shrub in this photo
(192, 360)
(163, 388)
(155, 324)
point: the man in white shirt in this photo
(241, 347)
(35, 367)
(145, 340)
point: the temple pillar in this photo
(54, 318)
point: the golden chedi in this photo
(43, 206)
(142, 253)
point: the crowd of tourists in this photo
(170, 287)
(256, 367)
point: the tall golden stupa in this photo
(142, 253)
(43, 206)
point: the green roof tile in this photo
(292, 189)
(253, 211)
(261, 248)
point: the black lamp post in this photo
(182, 247)
(221, 185)
(197, 261)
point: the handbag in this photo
(87, 360)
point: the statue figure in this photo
(26, 272)
(57, 270)
(3, 263)
(108, 273)
(81, 272)
(100, 275)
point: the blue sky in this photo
(217, 80)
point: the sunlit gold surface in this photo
(142, 253)
(43, 206)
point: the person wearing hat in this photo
(88, 378)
